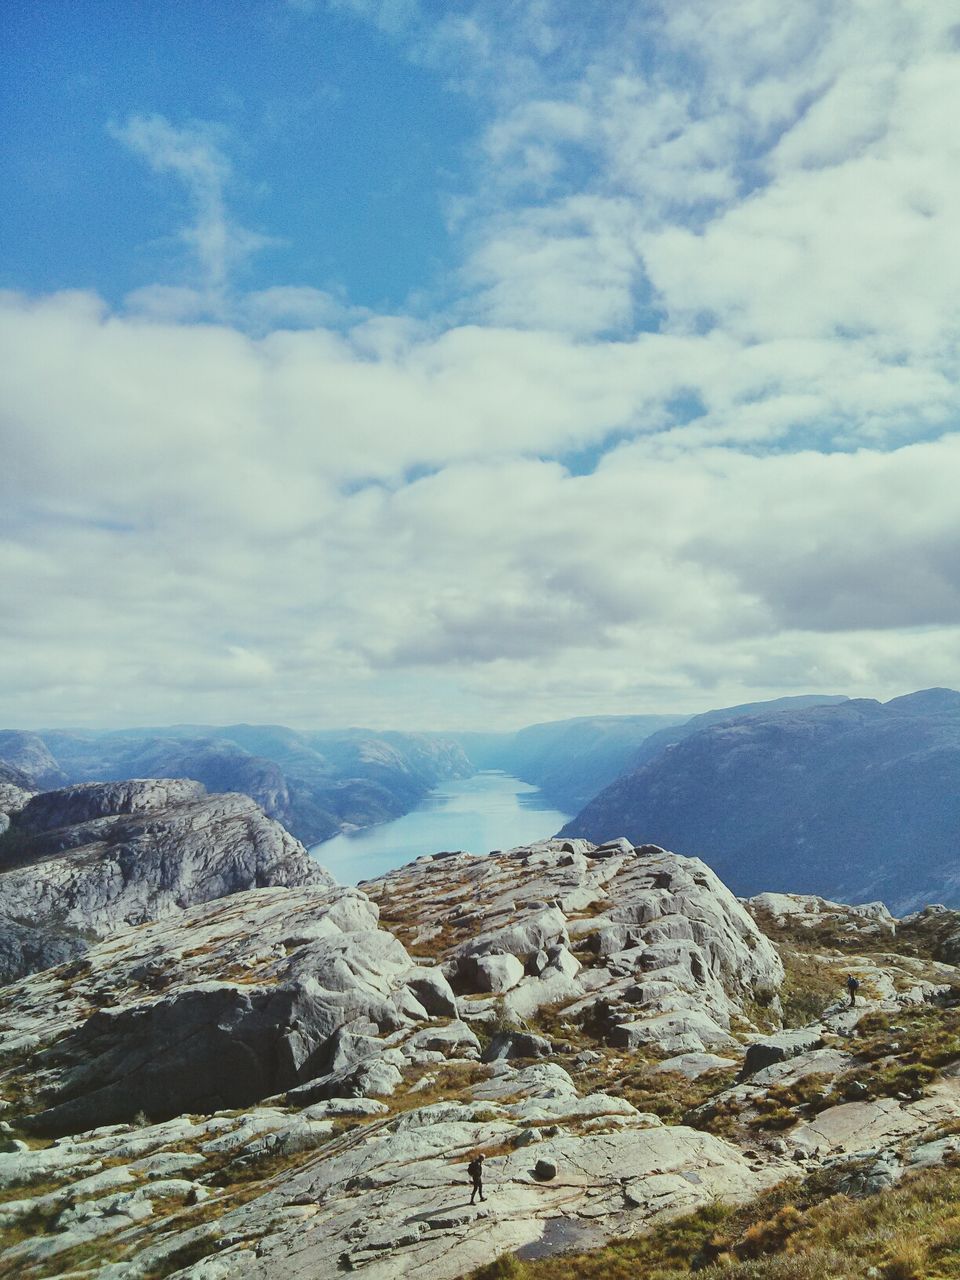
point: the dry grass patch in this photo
(794, 1232)
(811, 982)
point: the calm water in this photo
(487, 811)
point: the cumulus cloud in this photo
(687, 436)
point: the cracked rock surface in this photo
(292, 1080)
(87, 860)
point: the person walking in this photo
(853, 986)
(475, 1170)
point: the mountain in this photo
(314, 783)
(79, 863)
(856, 800)
(292, 1081)
(669, 736)
(28, 754)
(569, 760)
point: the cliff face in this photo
(28, 753)
(857, 801)
(89, 859)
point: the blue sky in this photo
(342, 149)
(470, 364)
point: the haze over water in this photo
(487, 811)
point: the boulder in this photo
(780, 1047)
(492, 973)
(682, 1032)
(693, 1065)
(516, 1044)
(531, 933)
(454, 1041)
(434, 992)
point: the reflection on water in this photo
(487, 811)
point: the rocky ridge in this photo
(620, 1036)
(84, 861)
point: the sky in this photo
(457, 364)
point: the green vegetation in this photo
(810, 983)
(804, 1231)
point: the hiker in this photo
(853, 986)
(475, 1170)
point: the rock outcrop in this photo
(277, 1082)
(649, 943)
(84, 861)
(224, 1004)
(29, 754)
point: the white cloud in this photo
(216, 242)
(277, 506)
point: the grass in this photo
(809, 985)
(782, 1105)
(901, 1054)
(794, 1232)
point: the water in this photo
(487, 811)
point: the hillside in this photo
(291, 1081)
(79, 863)
(569, 760)
(316, 784)
(859, 800)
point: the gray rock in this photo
(621, 848)
(779, 1048)
(434, 992)
(455, 1040)
(491, 972)
(30, 948)
(531, 933)
(311, 1016)
(26, 760)
(681, 1032)
(545, 1170)
(693, 1065)
(116, 854)
(516, 1044)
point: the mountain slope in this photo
(87, 860)
(859, 800)
(314, 783)
(569, 760)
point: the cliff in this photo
(856, 801)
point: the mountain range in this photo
(316, 784)
(851, 798)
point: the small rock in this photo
(544, 1170)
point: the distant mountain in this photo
(572, 760)
(314, 783)
(569, 760)
(28, 754)
(858, 800)
(656, 742)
